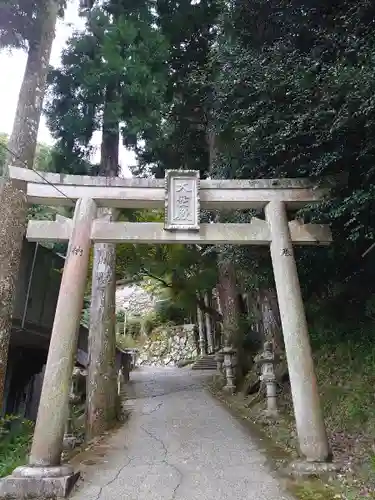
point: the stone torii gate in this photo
(182, 194)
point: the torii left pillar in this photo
(45, 477)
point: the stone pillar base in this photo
(230, 389)
(271, 414)
(38, 482)
(69, 442)
(304, 468)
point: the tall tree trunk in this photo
(22, 145)
(253, 310)
(101, 378)
(229, 301)
(218, 322)
(254, 313)
(271, 318)
(209, 323)
(230, 305)
(227, 287)
(23, 139)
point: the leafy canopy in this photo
(20, 21)
(125, 50)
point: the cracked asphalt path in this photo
(179, 444)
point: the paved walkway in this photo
(180, 444)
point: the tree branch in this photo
(157, 278)
(128, 281)
(200, 302)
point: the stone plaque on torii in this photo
(181, 194)
(182, 208)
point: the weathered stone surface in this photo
(54, 401)
(303, 468)
(101, 380)
(169, 346)
(150, 193)
(181, 200)
(135, 299)
(12, 487)
(148, 183)
(256, 232)
(312, 436)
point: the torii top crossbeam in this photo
(182, 194)
(61, 189)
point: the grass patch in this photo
(346, 378)
(15, 442)
(345, 366)
(314, 490)
(274, 441)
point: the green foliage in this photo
(314, 490)
(345, 360)
(168, 311)
(242, 89)
(151, 58)
(85, 319)
(349, 408)
(44, 162)
(126, 341)
(15, 442)
(174, 272)
(294, 99)
(180, 139)
(43, 157)
(149, 322)
(178, 270)
(124, 51)
(17, 23)
(120, 316)
(20, 21)
(345, 364)
(133, 326)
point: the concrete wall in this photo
(45, 284)
(29, 345)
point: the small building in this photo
(33, 314)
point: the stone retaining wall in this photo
(168, 346)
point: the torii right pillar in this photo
(312, 436)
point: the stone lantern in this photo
(219, 358)
(267, 360)
(230, 368)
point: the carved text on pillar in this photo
(286, 252)
(77, 251)
(181, 200)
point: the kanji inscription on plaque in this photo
(181, 200)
